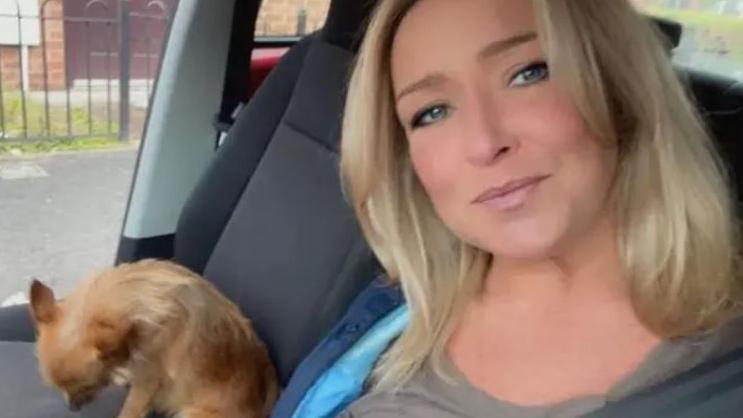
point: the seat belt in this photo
(713, 389)
(235, 88)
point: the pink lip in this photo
(511, 194)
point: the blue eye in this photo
(429, 116)
(531, 74)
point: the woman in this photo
(535, 177)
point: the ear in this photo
(113, 340)
(43, 307)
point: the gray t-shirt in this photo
(428, 396)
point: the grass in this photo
(81, 122)
(58, 145)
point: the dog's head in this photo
(77, 347)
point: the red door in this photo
(92, 37)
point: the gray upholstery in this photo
(15, 324)
(292, 255)
(720, 100)
(24, 396)
(210, 206)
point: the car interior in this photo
(261, 213)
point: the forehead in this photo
(63, 349)
(68, 367)
(463, 16)
(436, 32)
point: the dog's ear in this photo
(113, 340)
(43, 307)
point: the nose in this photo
(73, 406)
(75, 402)
(486, 137)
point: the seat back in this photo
(268, 223)
(720, 100)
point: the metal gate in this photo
(72, 68)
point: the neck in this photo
(587, 268)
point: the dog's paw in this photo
(121, 376)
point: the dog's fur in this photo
(178, 343)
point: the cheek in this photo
(554, 137)
(550, 122)
(435, 163)
(585, 165)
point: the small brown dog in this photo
(179, 344)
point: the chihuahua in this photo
(169, 335)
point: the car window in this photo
(70, 131)
(281, 18)
(713, 33)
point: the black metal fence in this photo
(75, 68)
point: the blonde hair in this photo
(678, 235)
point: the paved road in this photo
(60, 217)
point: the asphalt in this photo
(60, 217)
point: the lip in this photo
(511, 194)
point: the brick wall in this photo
(55, 52)
(279, 17)
(276, 18)
(10, 69)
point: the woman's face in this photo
(500, 148)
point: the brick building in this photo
(276, 18)
(284, 17)
(53, 33)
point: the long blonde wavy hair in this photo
(678, 236)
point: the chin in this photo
(529, 242)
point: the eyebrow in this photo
(431, 80)
(503, 45)
(492, 49)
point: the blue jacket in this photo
(333, 374)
